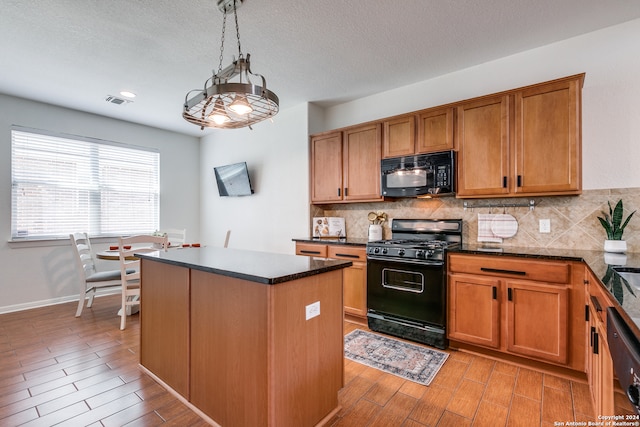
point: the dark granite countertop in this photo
(350, 241)
(601, 263)
(261, 267)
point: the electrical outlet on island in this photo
(312, 310)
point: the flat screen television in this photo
(233, 180)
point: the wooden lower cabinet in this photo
(599, 363)
(354, 278)
(529, 318)
(537, 320)
(474, 310)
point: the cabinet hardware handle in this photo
(596, 343)
(499, 270)
(586, 313)
(509, 294)
(346, 192)
(519, 180)
(348, 255)
(495, 292)
(504, 182)
(303, 251)
(596, 303)
(585, 281)
(338, 192)
(593, 332)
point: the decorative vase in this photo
(375, 232)
(616, 246)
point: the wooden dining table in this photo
(111, 254)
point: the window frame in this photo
(78, 177)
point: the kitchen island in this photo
(245, 338)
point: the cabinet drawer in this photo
(543, 271)
(353, 253)
(311, 249)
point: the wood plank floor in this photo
(56, 369)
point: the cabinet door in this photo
(354, 278)
(326, 168)
(483, 147)
(435, 130)
(399, 137)
(354, 282)
(547, 138)
(474, 310)
(537, 320)
(361, 160)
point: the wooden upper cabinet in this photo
(483, 147)
(526, 142)
(399, 137)
(435, 130)
(547, 138)
(345, 165)
(361, 161)
(326, 167)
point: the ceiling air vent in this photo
(115, 100)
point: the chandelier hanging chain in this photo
(235, 14)
(224, 27)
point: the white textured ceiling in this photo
(75, 52)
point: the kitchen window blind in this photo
(64, 184)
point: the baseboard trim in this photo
(53, 301)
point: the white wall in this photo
(34, 275)
(277, 156)
(611, 97)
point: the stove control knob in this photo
(385, 250)
(401, 252)
(429, 253)
(376, 250)
(419, 253)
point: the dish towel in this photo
(485, 234)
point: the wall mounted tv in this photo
(233, 180)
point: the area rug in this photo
(409, 361)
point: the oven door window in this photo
(400, 280)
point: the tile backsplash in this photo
(574, 219)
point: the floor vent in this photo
(115, 100)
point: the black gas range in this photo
(406, 279)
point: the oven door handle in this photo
(407, 261)
(403, 289)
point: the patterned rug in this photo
(409, 361)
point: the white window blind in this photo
(62, 185)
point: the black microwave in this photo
(420, 175)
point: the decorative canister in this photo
(375, 232)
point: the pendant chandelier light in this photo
(225, 104)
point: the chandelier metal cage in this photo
(225, 104)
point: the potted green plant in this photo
(614, 227)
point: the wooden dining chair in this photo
(91, 279)
(130, 268)
(176, 236)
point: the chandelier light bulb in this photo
(219, 115)
(240, 105)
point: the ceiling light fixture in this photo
(230, 105)
(127, 94)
